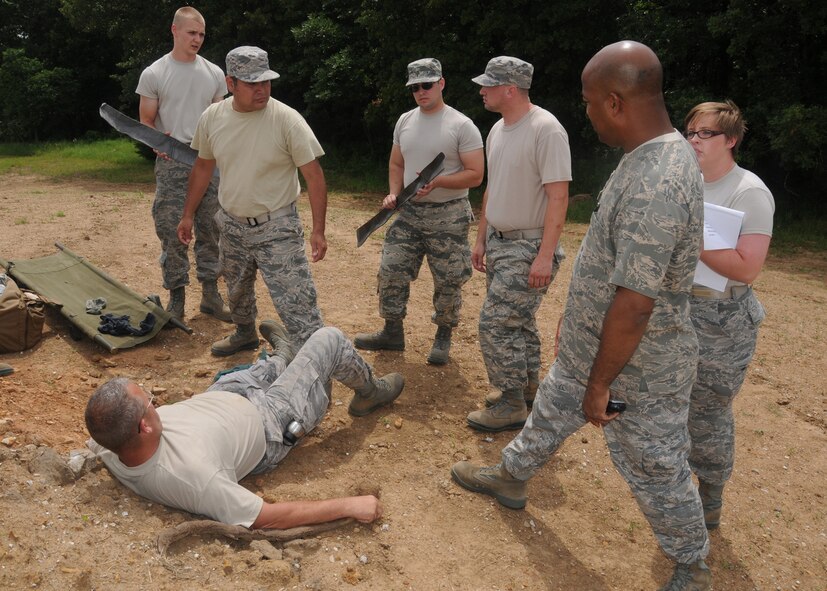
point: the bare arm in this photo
(295, 513)
(558, 202)
(199, 181)
(148, 111)
(473, 168)
(396, 175)
(317, 193)
(742, 263)
(623, 328)
(478, 252)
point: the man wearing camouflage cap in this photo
(626, 333)
(260, 144)
(174, 91)
(524, 208)
(435, 224)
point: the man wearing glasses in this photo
(435, 224)
(260, 145)
(726, 322)
(190, 455)
(523, 211)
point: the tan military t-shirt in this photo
(257, 153)
(521, 159)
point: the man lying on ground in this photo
(190, 455)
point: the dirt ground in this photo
(580, 530)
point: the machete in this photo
(428, 174)
(166, 144)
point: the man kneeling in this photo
(190, 455)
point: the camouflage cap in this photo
(249, 64)
(425, 70)
(505, 70)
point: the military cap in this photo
(249, 64)
(425, 70)
(504, 70)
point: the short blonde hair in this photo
(187, 12)
(728, 119)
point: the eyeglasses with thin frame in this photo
(424, 86)
(146, 408)
(703, 134)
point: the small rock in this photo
(81, 461)
(158, 390)
(202, 373)
(162, 356)
(48, 463)
(398, 423)
(266, 549)
(9, 441)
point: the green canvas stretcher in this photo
(67, 281)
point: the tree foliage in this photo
(342, 63)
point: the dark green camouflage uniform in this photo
(645, 236)
(170, 192)
(440, 231)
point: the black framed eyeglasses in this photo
(424, 86)
(704, 134)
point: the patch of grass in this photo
(789, 235)
(60, 214)
(114, 160)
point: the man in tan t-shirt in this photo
(523, 211)
(260, 145)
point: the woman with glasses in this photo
(726, 322)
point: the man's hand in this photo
(318, 244)
(366, 508)
(540, 274)
(389, 202)
(427, 188)
(594, 407)
(478, 256)
(185, 230)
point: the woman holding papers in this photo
(726, 321)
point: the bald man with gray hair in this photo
(628, 352)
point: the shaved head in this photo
(627, 68)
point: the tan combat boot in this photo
(390, 338)
(176, 303)
(377, 392)
(529, 394)
(278, 337)
(442, 346)
(690, 577)
(711, 498)
(212, 303)
(507, 414)
(243, 339)
(494, 481)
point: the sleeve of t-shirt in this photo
(221, 84)
(553, 156)
(646, 232)
(200, 139)
(470, 138)
(148, 84)
(224, 500)
(397, 130)
(758, 207)
(302, 143)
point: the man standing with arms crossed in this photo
(174, 92)
(260, 145)
(626, 327)
(436, 223)
(523, 211)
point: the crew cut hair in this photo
(187, 12)
(112, 415)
